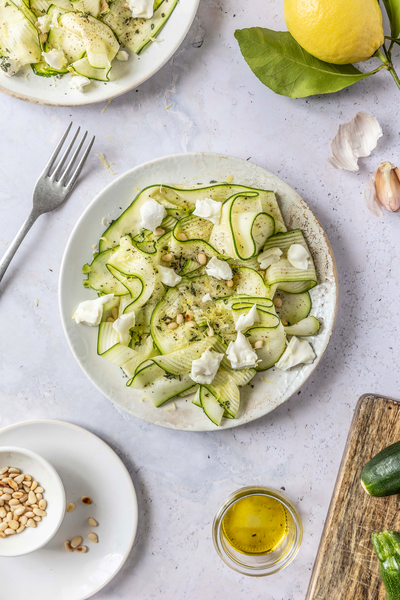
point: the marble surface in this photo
(182, 478)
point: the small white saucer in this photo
(87, 467)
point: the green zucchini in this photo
(304, 328)
(295, 307)
(387, 547)
(381, 475)
(212, 408)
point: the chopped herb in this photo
(158, 327)
(137, 31)
(163, 15)
(169, 376)
(152, 26)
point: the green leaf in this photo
(282, 64)
(393, 11)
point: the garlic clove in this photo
(354, 140)
(387, 185)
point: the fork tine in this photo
(56, 151)
(64, 157)
(67, 171)
(80, 165)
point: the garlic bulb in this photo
(387, 185)
(355, 139)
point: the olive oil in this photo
(255, 524)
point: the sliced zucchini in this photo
(213, 409)
(61, 39)
(100, 43)
(84, 68)
(273, 347)
(99, 277)
(136, 33)
(282, 274)
(295, 307)
(44, 70)
(381, 475)
(90, 7)
(306, 327)
(19, 38)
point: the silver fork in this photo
(51, 189)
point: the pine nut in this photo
(68, 547)
(9, 531)
(76, 541)
(12, 484)
(37, 519)
(92, 522)
(14, 502)
(70, 507)
(23, 498)
(202, 258)
(259, 344)
(31, 498)
(3, 470)
(93, 537)
(172, 325)
(7, 490)
(167, 257)
(17, 495)
(27, 484)
(34, 485)
(278, 302)
(284, 323)
(20, 528)
(19, 511)
(2, 534)
(110, 320)
(210, 331)
(190, 324)
(2, 512)
(23, 520)
(229, 283)
(27, 490)
(188, 317)
(159, 231)
(3, 526)
(179, 318)
(28, 477)
(81, 549)
(19, 479)
(114, 313)
(31, 523)
(39, 497)
(30, 514)
(13, 524)
(13, 470)
(39, 490)
(40, 513)
(9, 516)
(182, 237)
(42, 504)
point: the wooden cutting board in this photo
(346, 567)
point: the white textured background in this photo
(182, 478)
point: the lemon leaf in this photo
(287, 69)
(393, 11)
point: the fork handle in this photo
(15, 244)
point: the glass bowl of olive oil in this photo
(257, 531)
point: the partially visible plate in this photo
(85, 464)
(125, 75)
(270, 388)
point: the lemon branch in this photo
(387, 63)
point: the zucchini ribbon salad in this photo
(198, 290)
(81, 37)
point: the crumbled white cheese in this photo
(240, 353)
(9, 66)
(123, 325)
(208, 209)
(78, 82)
(206, 298)
(122, 56)
(91, 311)
(168, 276)
(298, 352)
(248, 319)
(106, 222)
(219, 269)
(55, 59)
(298, 257)
(205, 368)
(44, 23)
(269, 257)
(141, 8)
(152, 214)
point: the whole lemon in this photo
(336, 31)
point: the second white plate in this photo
(268, 389)
(85, 464)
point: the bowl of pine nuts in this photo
(32, 501)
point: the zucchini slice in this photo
(304, 328)
(212, 408)
(381, 475)
(273, 348)
(19, 38)
(295, 307)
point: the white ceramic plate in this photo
(84, 463)
(124, 75)
(268, 389)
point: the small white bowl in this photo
(42, 471)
